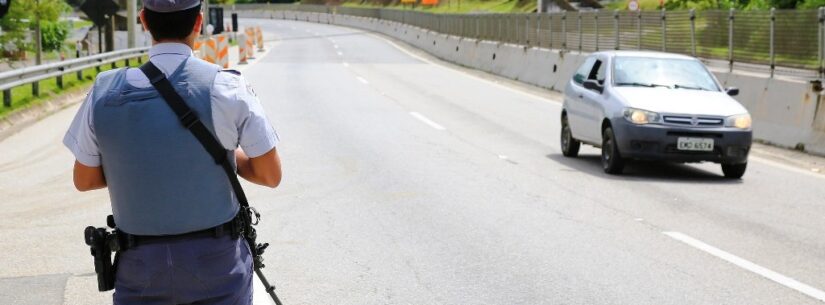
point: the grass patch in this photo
(22, 97)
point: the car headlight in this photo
(741, 121)
(640, 117)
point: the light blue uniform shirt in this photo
(237, 115)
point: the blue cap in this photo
(169, 6)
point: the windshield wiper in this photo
(637, 84)
(677, 86)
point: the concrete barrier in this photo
(786, 112)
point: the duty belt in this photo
(122, 241)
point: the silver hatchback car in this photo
(654, 106)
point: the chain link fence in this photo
(787, 42)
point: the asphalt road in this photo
(411, 182)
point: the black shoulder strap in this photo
(190, 120)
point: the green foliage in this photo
(722, 4)
(53, 34)
(811, 4)
(21, 19)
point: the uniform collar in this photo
(170, 48)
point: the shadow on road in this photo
(645, 170)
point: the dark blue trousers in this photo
(199, 271)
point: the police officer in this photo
(164, 187)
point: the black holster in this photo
(98, 240)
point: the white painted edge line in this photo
(747, 265)
(786, 167)
(259, 294)
(427, 121)
(335, 46)
(363, 80)
(346, 64)
(527, 94)
(340, 54)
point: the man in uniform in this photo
(165, 189)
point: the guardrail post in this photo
(596, 23)
(664, 30)
(538, 29)
(564, 30)
(579, 25)
(550, 29)
(500, 21)
(7, 98)
(527, 29)
(59, 80)
(821, 42)
(639, 27)
(693, 32)
(36, 89)
(616, 29)
(478, 27)
(730, 39)
(773, 27)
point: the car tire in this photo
(569, 145)
(734, 171)
(612, 161)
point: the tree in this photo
(21, 19)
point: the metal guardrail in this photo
(785, 42)
(34, 74)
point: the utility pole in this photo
(205, 18)
(131, 22)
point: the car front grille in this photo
(693, 121)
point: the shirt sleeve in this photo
(80, 139)
(239, 118)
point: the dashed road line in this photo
(363, 80)
(427, 121)
(750, 266)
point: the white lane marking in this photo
(427, 121)
(363, 80)
(259, 293)
(502, 157)
(747, 265)
(335, 46)
(340, 54)
(346, 65)
(787, 167)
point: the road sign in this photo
(99, 11)
(633, 5)
(4, 7)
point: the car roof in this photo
(648, 54)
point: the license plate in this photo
(695, 144)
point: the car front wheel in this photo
(611, 158)
(734, 171)
(569, 145)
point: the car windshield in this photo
(662, 72)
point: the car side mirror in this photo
(732, 91)
(594, 85)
